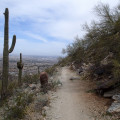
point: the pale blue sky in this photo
(44, 27)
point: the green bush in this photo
(101, 38)
(17, 111)
(12, 85)
(51, 70)
(55, 83)
(116, 70)
(31, 78)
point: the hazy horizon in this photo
(31, 55)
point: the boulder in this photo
(32, 86)
(107, 87)
(103, 69)
(74, 78)
(80, 70)
(107, 84)
(99, 71)
(116, 97)
(114, 108)
(112, 94)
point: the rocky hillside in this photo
(97, 55)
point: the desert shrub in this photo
(102, 37)
(41, 101)
(55, 83)
(116, 70)
(31, 78)
(65, 61)
(12, 85)
(17, 111)
(51, 70)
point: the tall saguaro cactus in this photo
(6, 52)
(20, 67)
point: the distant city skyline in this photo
(45, 27)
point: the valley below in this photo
(32, 64)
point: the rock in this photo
(38, 86)
(114, 108)
(116, 97)
(37, 91)
(106, 85)
(27, 90)
(41, 101)
(18, 90)
(103, 70)
(108, 59)
(112, 93)
(80, 70)
(51, 78)
(110, 77)
(99, 71)
(46, 108)
(108, 95)
(59, 85)
(32, 86)
(43, 112)
(105, 67)
(74, 78)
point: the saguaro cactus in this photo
(6, 52)
(20, 67)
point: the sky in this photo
(44, 27)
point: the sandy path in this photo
(69, 103)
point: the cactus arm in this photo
(13, 44)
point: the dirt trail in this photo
(69, 102)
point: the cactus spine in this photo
(6, 52)
(20, 67)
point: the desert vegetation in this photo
(102, 37)
(100, 41)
